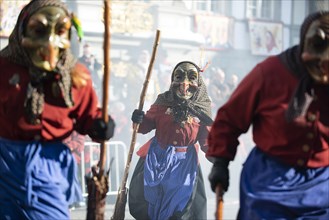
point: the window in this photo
(202, 5)
(263, 9)
(222, 7)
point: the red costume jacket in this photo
(261, 100)
(56, 122)
(170, 133)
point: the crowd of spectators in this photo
(220, 86)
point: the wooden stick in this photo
(121, 199)
(98, 185)
(106, 79)
(220, 203)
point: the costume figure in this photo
(45, 95)
(218, 88)
(286, 100)
(167, 182)
(90, 61)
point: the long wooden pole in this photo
(140, 106)
(219, 199)
(106, 79)
(98, 184)
(119, 209)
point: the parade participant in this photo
(45, 95)
(90, 61)
(286, 100)
(173, 183)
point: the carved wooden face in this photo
(46, 35)
(316, 50)
(185, 80)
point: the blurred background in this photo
(231, 35)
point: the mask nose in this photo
(50, 53)
(184, 87)
(53, 54)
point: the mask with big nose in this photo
(46, 34)
(185, 80)
(315, 54)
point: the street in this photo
(229, 211)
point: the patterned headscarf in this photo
(292, 59)
(17, 54)
(199, 105)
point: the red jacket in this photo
(56, 122)
(261, 100)
(168, 132)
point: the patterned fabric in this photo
(199, 104)
(292, 59)
(169, 178)
(16, 53)
(196, 208)
(271, 190)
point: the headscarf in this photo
(34, 101)
(292, 59)
(199, 105)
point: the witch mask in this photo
(316, 49)
(185, 80)
(46, 35)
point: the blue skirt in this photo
(272, 190)
(169, 178)
(37, 180)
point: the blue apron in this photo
(272, 190)
(169, 178)
(37, 180)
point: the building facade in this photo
(220, 31)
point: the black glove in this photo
(219, 174)
(137, 116)
(101, 130)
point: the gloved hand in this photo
(101, 130)
(138, 116)
(219, 174)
